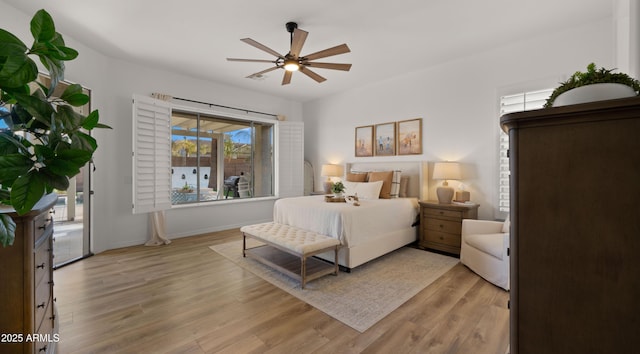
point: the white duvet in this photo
(350, 224)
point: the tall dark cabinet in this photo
(575, 228)
(28, 322)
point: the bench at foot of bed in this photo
(301, 244)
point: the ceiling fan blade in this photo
(287, 77)
(263, 72)
(312, 74)
(334, 66)
(252, 60)
(299, 36)
(339, 49)
(263, 47)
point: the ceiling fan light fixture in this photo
(291, 65)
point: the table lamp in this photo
(445, 171)
(329, 170)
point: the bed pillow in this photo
(395, 184)
(356, 177)
(364, 190)
(404, 187)
(386, 177)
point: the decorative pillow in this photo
(386, 177)
(356, 177)
(364, 190)
(395, 184)
(404, 187)
(506, 225)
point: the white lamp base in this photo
(327, 187)
(445, 194)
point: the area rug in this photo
(366, 295)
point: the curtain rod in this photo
(221, 106)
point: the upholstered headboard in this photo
(416, 170)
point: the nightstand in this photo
(441, 225)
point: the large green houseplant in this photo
(592, 76)
(46, 141)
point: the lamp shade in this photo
(446, 170)
(329, 170)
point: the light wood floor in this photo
(185, 298)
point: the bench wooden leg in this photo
(335, 261)
(303, 271)
(244, 245)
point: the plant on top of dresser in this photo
(616, 85)
(46, 141)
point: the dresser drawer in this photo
(41, 300)
(41, 224)
(42, 261)
(432, 224)
(47, 340)
(442, 213)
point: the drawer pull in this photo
(41, 305)
(41, 265)
(43, 349)
(42, 227)
(52, 317)
(441, 226)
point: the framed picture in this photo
(364, 141)
(410, 137)
(385, 139)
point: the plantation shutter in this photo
(290, 159)
(508, 104)
(151, 155)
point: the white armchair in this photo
(485, 250)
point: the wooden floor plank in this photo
(185, 298)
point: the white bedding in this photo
(352, 225)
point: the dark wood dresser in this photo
(575, 228)
(28, 321)
(441, 225)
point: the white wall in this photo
(458, 102)
(113, 82)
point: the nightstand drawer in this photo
(444, 238)
(442, 213)
(453, 227)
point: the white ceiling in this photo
(387, 38)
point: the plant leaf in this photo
(68, 162)
(91, 121)
(73, 95)
(12, 167)
(42, 27)
(17, 70)
(26, 191)
(53, 181)
(7, 230)
(83, 141)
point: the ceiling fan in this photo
(293, 61)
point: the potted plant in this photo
(337, 189)
(45, 142)
(593, 85)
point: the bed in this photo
(367, 231)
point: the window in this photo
(214, 157)
(183, 155)
(523, 101)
